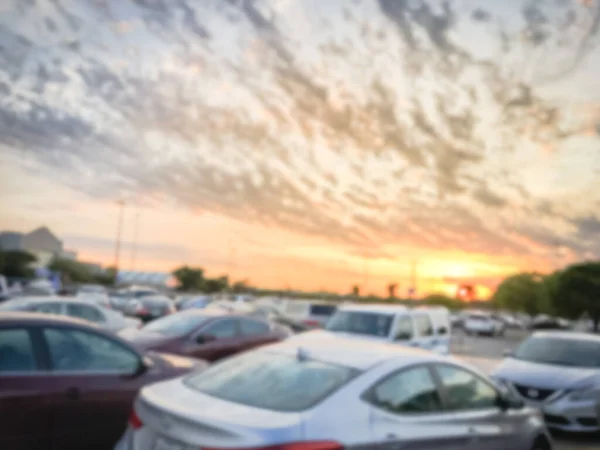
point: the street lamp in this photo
(121, 204)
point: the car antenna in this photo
(302, 355)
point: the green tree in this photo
(241, 286)
(17, 264)
(74, 271)
(356, 290)
(525, 292)
(578, 292)
(214, 285)
(443, 300)
(108, 277)
(189, 278)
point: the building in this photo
(40, 242)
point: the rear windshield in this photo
(360, 322)
(478, 317)
(178, 324)
(322, 310)
(273, 381)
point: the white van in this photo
(424, 327)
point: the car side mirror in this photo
(506, 401)
(507, 353)
(205, 338)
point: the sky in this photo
(306, 144)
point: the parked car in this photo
(205, 334)
(122, 299)
(311, 313)
(150, 307)
(272, 313)
(543, 322)
(99, 298)
(73, 307)
(91, 289)
(558, 372)
(483, 324)
(68, 385)
(362, 395)
(428, 328)
(192, 301)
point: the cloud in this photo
(376, 127)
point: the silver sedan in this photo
(331, 395)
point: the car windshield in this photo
(322, 310)
(178, 324)
(273, 381)
(560, 351)
(359, 322)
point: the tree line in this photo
(569, 293)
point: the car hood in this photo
(546, 376)
(175, 364)
(144, 340)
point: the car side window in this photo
(76, 350)
(85, 312)
(16, 351)
(48, 308)
(464, 390)
(253, 327)
(410, 391)
(424, 326)
(404, 329)
(222, 329)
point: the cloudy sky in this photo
(307, 143)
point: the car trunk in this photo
(173, 413)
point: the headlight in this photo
(591, 392)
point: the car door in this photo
(91, 387)
(472, 400)
(404, 330)
(224, 340)
(254, 332)
(25, 412)
(424, 335)
(407, 413)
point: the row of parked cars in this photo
(227, 375)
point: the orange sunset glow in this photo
(303, 145)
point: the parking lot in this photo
(486, 352)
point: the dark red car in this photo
(206, 334)
(68, 385)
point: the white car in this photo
(427, 328)
(333, 394)
(73, 307)
(483, 324)
(559, 373)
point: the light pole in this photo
(121, 204)
(135, 239)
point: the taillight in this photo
(318, 445)
(134, 421)
(312, 323)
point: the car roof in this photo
(570, 335)
(383, 309)
(34, 318)
(53, 298)
(353, 353)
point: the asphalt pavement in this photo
(485, 353)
